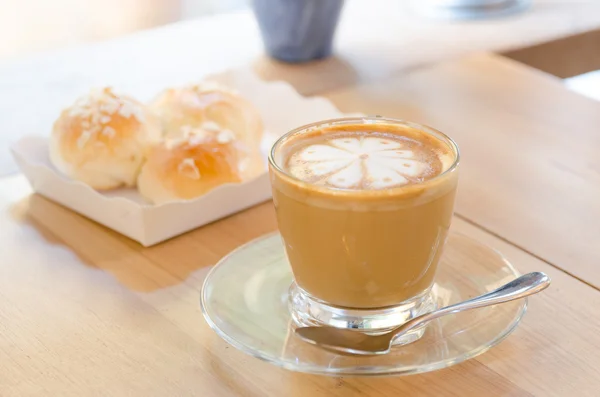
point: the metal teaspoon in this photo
(355, 342)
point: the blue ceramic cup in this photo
(298, 30)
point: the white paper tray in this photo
(124, 211)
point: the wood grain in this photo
(86, 311)
(566, 57)
(530, 167)
(379, 38)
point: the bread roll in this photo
(189, 166)
(101, 139)
(209, 105)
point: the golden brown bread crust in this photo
(100, 140)
(188, 167)
(104, 140)
(196, 105)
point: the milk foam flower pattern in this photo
(351, 162)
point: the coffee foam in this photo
(364, 160)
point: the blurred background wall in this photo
(28, 26)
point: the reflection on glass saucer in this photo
(245, 300)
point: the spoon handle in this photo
(528, 284)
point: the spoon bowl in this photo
(345, 340)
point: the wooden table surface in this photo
(87, 312)
(530, 166)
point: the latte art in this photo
(365, 161)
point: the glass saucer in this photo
(245, 300)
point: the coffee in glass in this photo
(363, 206)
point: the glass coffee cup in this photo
(364, 206)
